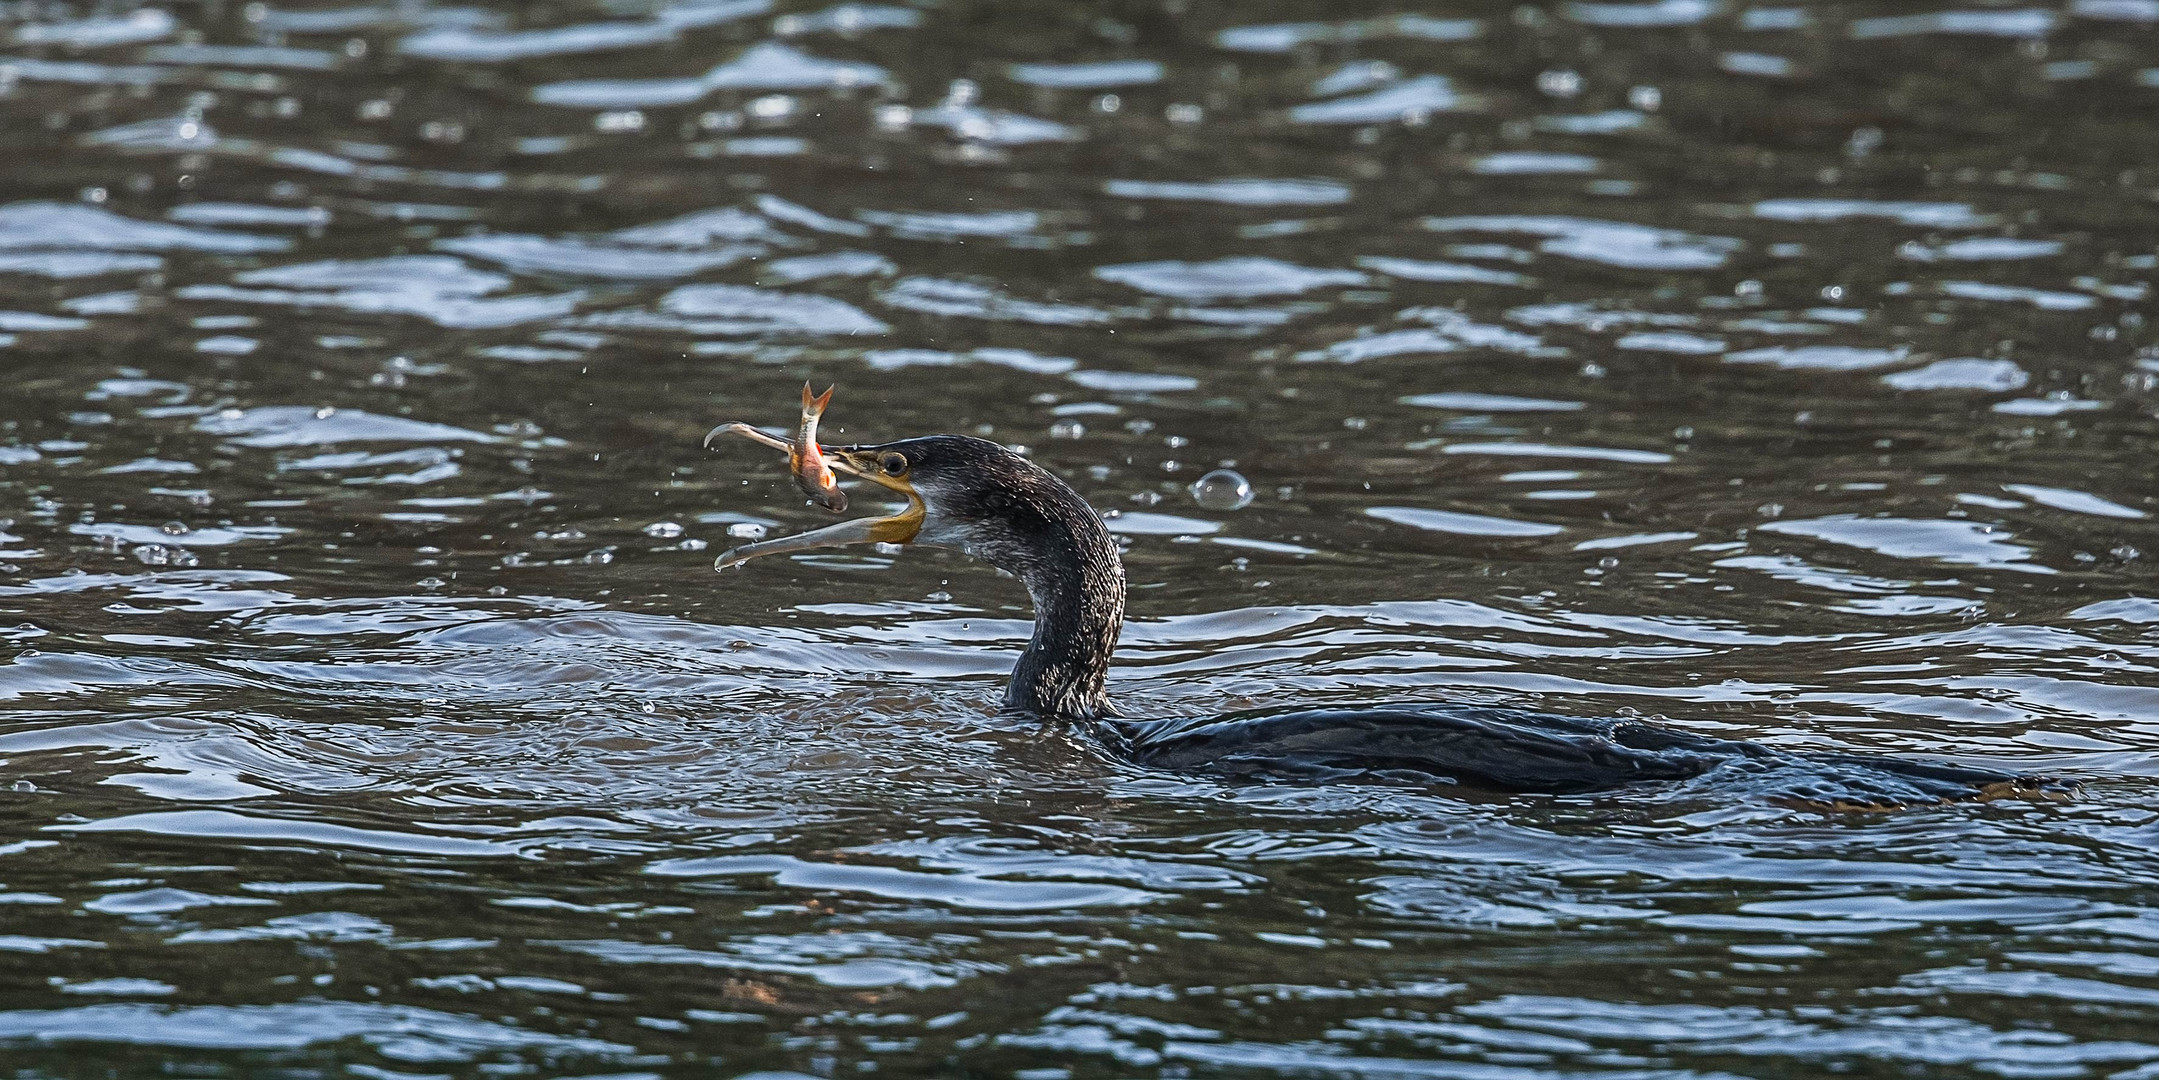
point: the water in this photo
(372, 709)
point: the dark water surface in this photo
(371, 708)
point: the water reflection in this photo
(1781, 371)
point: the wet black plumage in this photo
(1017, 516)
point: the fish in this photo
(807, 462)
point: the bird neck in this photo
(1076, 581)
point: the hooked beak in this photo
(858, 462)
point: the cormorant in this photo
(1000, 507)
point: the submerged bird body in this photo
(1010, 512)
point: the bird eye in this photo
(893, 464)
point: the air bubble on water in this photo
(600, 556)
(648, 708)
(1067, 429)
(1222, 489)
(664, 530)
(888, 549)
(939, 597)
(323, 413)
(174, 528)
(1593, 370)
(1608, 562)
(747, 530)
(430, 583)
(25, 786)
(1646, 98)
(1139, 426)
(1146, 498)
(1356, 423)
(692, 544)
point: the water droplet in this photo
(1222, 489)
(663, 530)
(748, 530)
(165, 555)
(1560, 83)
